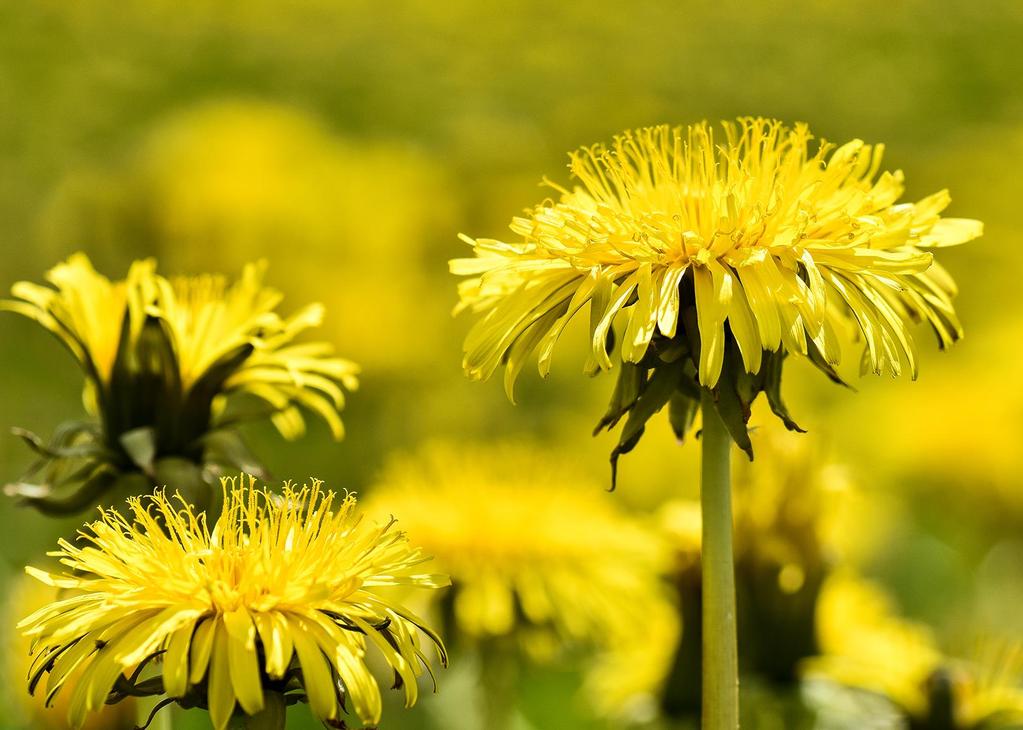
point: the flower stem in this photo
(273, 716)
(720, 645)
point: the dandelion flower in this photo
(169, 365)
(865, 644)
(532, 554)
(719, 255)
(282, 595)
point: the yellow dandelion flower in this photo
(865, 644)
(720, 255)
(532, 554)
(164, 361)
(281, 596)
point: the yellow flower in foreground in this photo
(281, 595)
(719, 254)
(866, 645)
(533, 552)
(170, 365)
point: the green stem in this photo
(498, 680)
(273, 716)
(720, 645)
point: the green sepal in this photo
(734, 413)
(56, 448)
(145, 380)
(198, 405)
(140, 446)
(630, 383)
(227, 448)
(186, 478)
(771, 372)
(682, 412)
(655, 394)
(43, 498)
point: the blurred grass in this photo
(408, 122)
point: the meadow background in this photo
(349, 142)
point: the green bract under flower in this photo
(171, 366)
(718, 255)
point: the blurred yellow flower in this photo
(162, 357)
(281, 590)
(25, 596)
(865, 644)
(223, 337)
(684, 233)
(797, 515)
(533, 552)
(236, 179)
(627, 680)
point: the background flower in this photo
(161, 360)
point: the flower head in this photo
(720, 255)
(282, 593)
(165, 360)
(531, 555)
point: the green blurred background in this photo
(348, 142)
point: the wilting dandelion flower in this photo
(532, 555)
(281, 596)
(865, 644)
(162, 358)
(720, 255)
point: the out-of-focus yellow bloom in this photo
(533, 553)
(792, 526)
(163, 360)
(627, 680)
(865, 644)
(682, 234)
(236, 179)
(25, 596)
(964, 445)
(225, 338)
(281, 589)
